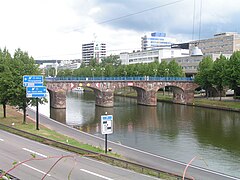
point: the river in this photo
(175, 131)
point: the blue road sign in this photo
(35, 89)
(32, 80)
(36, 95)
(32, 84)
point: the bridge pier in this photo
(104, 98)
(58, 99)
(183, 97)
(147, 98)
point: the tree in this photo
(233, 72)
(219, 73)
(21, 65)
(111, 60)
(5, 79)
(163, 69)
(204, 75)
(175, 70)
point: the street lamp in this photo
(93, 70)
(167, 70)
(155, 72)
(102, 70)
(125, 72)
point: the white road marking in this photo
(31, 151)
(35, 169)
(95, 174)
(1, 139)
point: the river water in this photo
(175, 131)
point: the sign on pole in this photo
(107, 124)
(36, 91)
(32, 80)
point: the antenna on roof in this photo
(196, 51)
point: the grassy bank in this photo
(231, 105)
(15, 118)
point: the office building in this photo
(93, 50)
(222, 43)
(156, 40)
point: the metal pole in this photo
(105, 143)
(37, 128)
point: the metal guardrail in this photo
(134, 78)
(112, 160)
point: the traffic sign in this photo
(32, 80)
(36, 95)
(32, 84)
(34, 90)
(107, 124)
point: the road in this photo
(144, 158)
(18, 149)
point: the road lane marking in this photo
(31, 151)
(35, 169)
(1, 139)
(95, 174)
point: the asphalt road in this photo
(144, 158)
(18, 149)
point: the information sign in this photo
(107, 124)
(34, 80)
(35, 91)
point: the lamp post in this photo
(102, 70)
(125, 72)
(155, 73)
(93, 70)
(167, 70)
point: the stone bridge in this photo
(183, 91)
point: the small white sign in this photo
(107, 124)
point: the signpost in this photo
(106, 127)
(34, 89)
(32, 80)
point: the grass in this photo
(217, 103)
(210, 102)
(16, 118)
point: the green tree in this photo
(22, 65)
(175, 70)
(6, 77)
(219, 73)
(163, 69)
(204, 75)
(233, 72)
(111, 60)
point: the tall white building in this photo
(156, 40)
(93, 50)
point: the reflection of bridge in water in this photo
(104, 87)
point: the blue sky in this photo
(55, 29)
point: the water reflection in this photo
(59, 114)
(218, 128)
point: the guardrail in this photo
(103, 157)
(133, 78)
